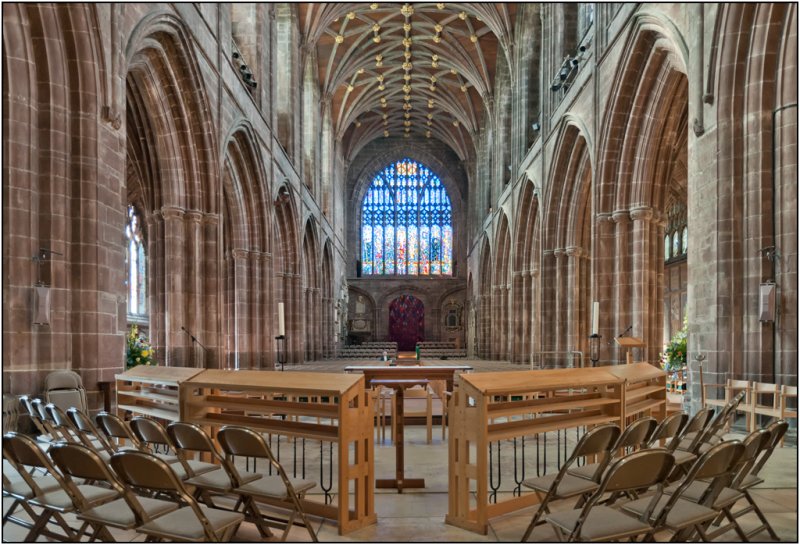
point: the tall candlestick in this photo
(281, 322)
(596, 318)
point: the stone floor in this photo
(418, 515)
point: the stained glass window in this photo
(136, 265)
(406, 223)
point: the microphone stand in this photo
(194, 339)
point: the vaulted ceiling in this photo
(414, 70)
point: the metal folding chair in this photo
(193, 522)
(562, 485)
(594, 522)
(277, 490)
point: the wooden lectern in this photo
(629, 343)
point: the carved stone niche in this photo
(452, 316)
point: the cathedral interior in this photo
(301, 186)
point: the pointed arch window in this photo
(136, 265)
(406, 223)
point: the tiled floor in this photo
(418, 515)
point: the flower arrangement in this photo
(674, 356)
(138, 350)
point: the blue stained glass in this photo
(406, 222)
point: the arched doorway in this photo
(406, 322)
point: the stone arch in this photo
(566, 279)
(501, 290)
(56, 137)
(287, 286)
(525, 273)
(170, 141)
(642, 129)
(164, 85)
(484, 305)
(756, 86)
(310, 272)
(244, 275)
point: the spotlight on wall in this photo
(575, 61)
(555, 86)
(236, 55)
(536, 126)
(563, 73)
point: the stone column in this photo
(177, 352)
(534, 316)
(548, 302)
(603, 282)
(658, 279)
(241, 296)
(519, 299)
(622, 280)
(561, 302)
(642, 300)
(210, 283)
(156, 302)
(573, 296)
(194, 286)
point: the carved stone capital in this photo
(172, 212)
(194, 216)
(603, 217)
(211, 219)
(641, 213)
(574, 251)
(239, 253)
(621, 216)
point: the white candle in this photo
(595, 317)
(281, 322)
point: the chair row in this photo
(760, 399)
(442, 353)
(366, 353)
(145, 456)
(685, 488)
(435, 344)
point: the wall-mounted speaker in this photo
(766, 302)
(358, 268)
(41, 305)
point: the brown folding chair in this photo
(65, 426)
(16, 487)
(277, 490)
(668, 431)
(116, 430)
(89, 433)
(126, 512)
(68, 498)
(42, 430)
(682, 516)
(755, 443)
(153, 435)
(635, 435)
(562, 485)
(594, 522)
(189, 438)
(689, 439)
(193, 522)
